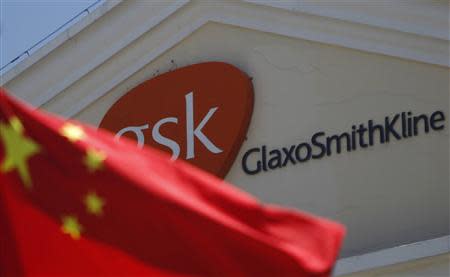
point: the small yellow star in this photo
(18, 149)
(94, 203)
(71, 226)
(16, 124)
(72, 132)
(94, 159)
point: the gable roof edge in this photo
(27, 59)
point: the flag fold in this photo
(73, 201)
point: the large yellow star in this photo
(18, 149)
(94, 159)
(72, 132)
(94, 203)
(71, 226)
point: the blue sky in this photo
(24, 23)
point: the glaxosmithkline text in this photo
(400, 126)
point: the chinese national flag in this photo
(73, 201)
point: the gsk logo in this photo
(199, 113)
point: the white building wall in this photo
(315, 67)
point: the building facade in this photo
(370, 78)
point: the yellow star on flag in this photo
(72, 132)
(94, 203)
(19, 149)
(94, 159)
(71, 226)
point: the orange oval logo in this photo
(199, 113)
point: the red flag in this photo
(75, 202)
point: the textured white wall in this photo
(437, 266)
(386, 195)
